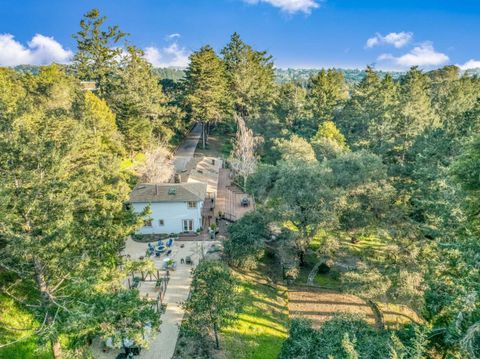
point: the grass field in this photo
(13, 316)
(261, 327)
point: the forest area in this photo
(374, 183)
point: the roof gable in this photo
(168, 192)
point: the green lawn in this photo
(13, 316)
(260, 329)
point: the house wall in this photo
(172, 214)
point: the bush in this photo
(339, 338)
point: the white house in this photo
(175, 207)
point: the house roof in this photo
(168, 192)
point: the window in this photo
(161, 222)
(147, 223)
(192, 204)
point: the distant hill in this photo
(28, 69)
(473, 72)
(282, 75)
(302, 75)
(352, 76)
(170, 73)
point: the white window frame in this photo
(192, 204)
(148, 223)
(189, 228)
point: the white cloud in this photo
(397, 39)
(290, 6)
(172, 36)
(470, 64)
(172, 55)
(41, 50)
(421, 55)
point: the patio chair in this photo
(150, 249)
(170, 242)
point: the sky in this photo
(389, 34)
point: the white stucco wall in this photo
(172, 213)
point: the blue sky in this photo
(392, 34)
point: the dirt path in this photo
(185, 151)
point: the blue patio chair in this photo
(150, 250)
(169, 242)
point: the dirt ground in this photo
(319, 305)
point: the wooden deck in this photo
(229, 198)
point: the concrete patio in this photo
(163, 345)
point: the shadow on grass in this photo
(260, 329)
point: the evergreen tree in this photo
(137, 99)
(98, 52)
(369, 117)
(326, 92)
(290, 106)
(63, 219)
(206, 88)
(250, 77)
(415, 112)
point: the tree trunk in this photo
(301, 257)
(207, 132)
(44, 292)
(56, 348)
(203, 134)
(215, 332)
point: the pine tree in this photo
(206, 88)
(137, 99)
(63, 219)
(98, 52)
(325, 92)
(250, 77)
(415, 112)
